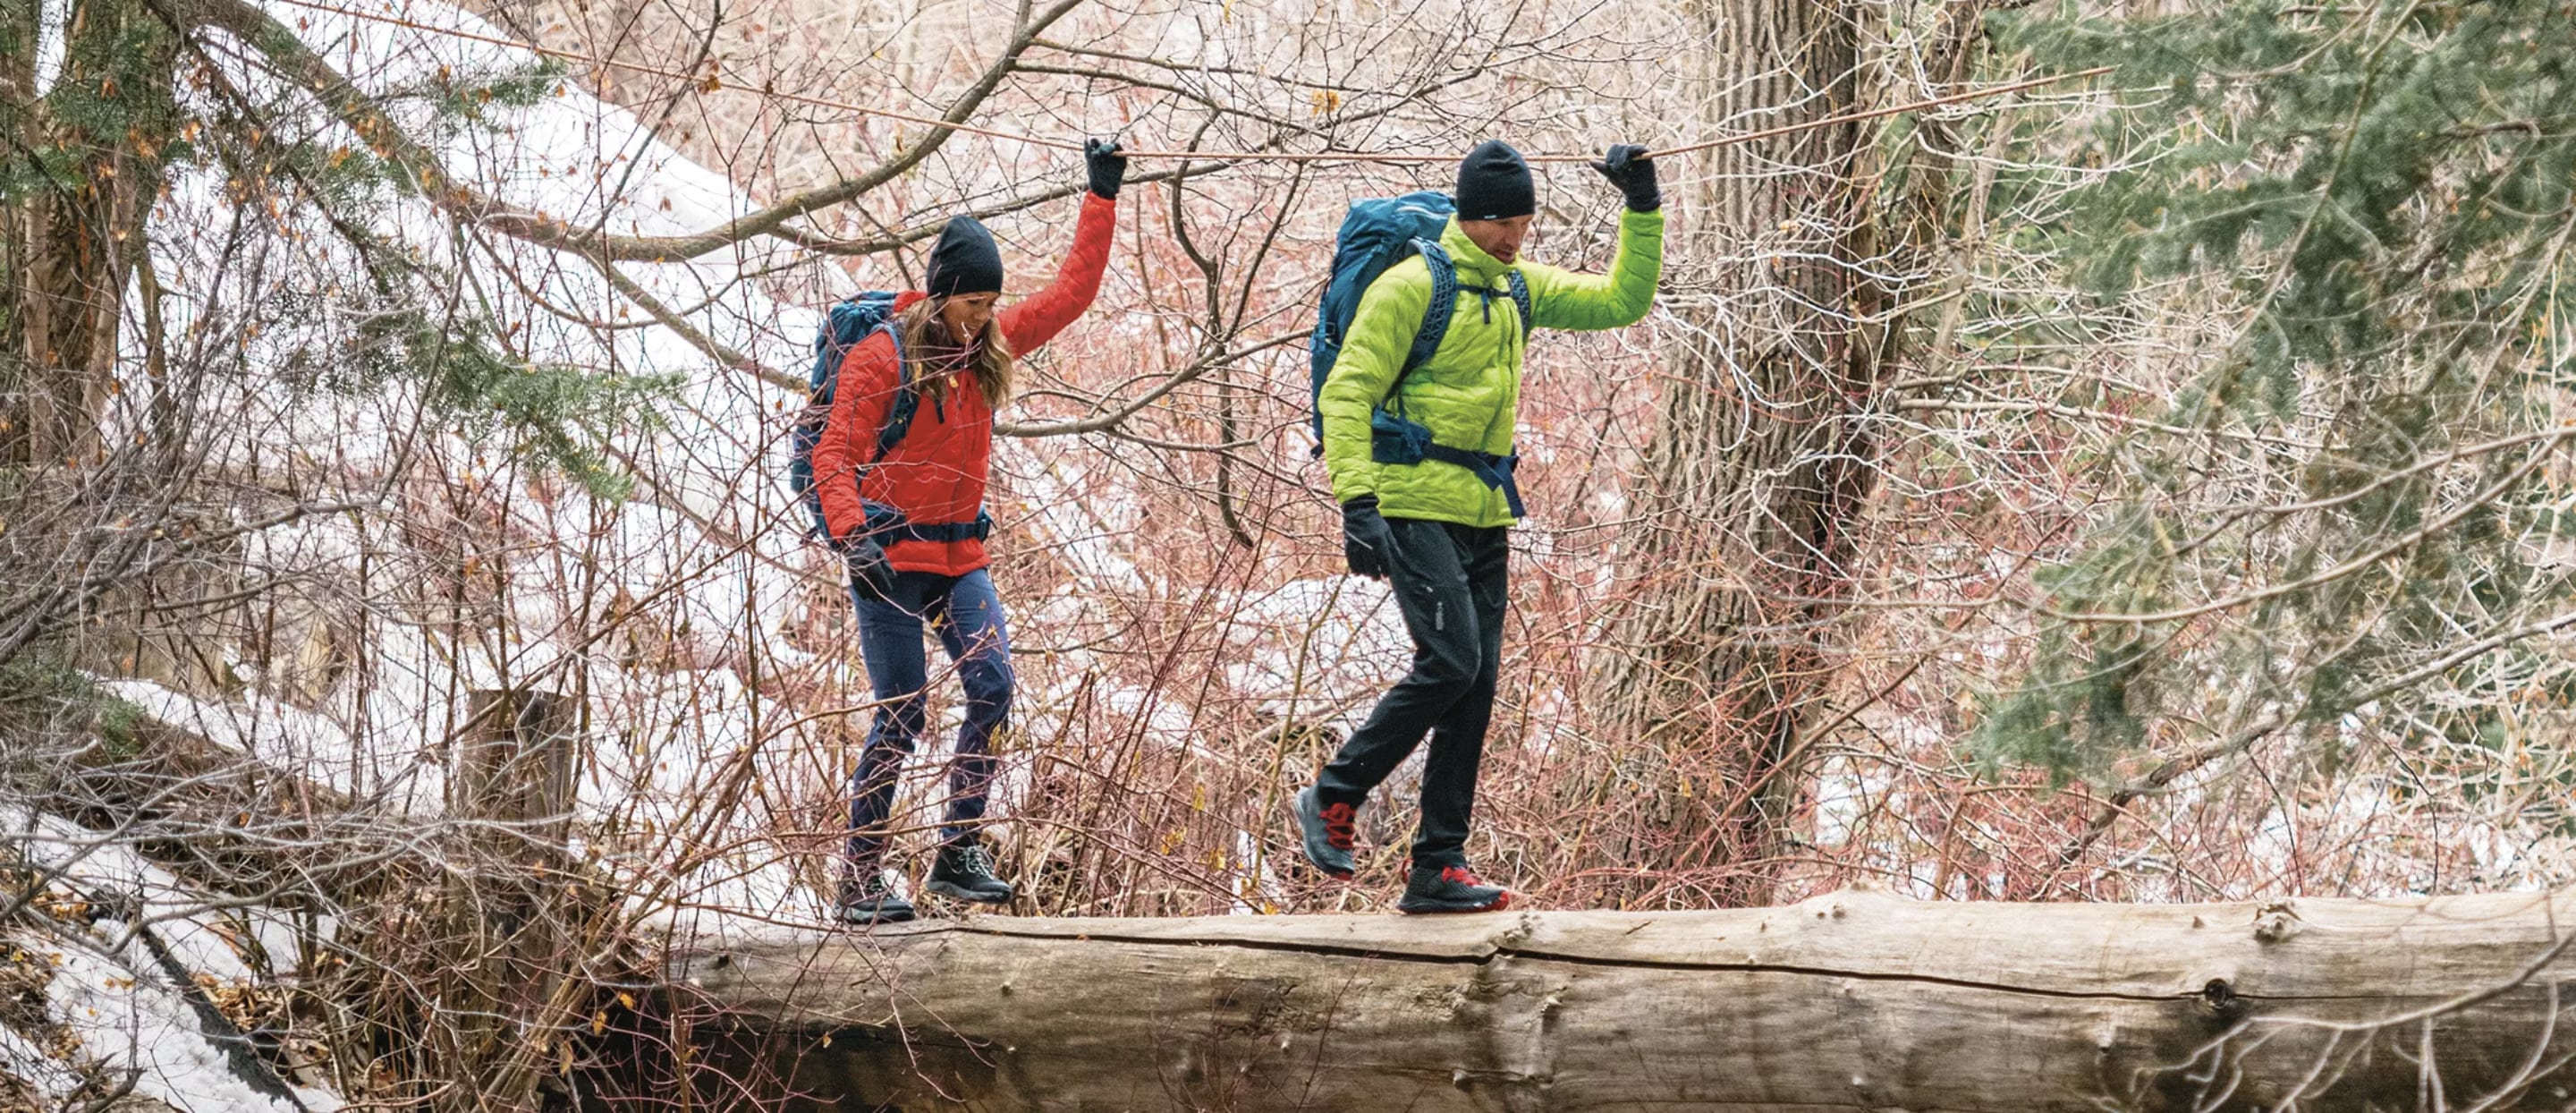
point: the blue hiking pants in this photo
(967, 615)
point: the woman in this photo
(909, 524)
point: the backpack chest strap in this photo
(1514, 287)
(1443, 304)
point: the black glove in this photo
(871, 575)
(1366, 542)
(1108, 167)
(1628, 168)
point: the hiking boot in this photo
(1328, 831)
(868, 900)
(1436, 888)
(965, 872)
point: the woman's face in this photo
(966, 315)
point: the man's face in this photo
(1498, 238)
(966, 315)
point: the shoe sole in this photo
(954, 893)
(1441, 908)
(1305, 842)
(903, 917)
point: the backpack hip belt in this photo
(886, 524)
(1397, 439)
(1495, 470)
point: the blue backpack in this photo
(1379, 233)
(847, 323)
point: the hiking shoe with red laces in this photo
(1329, 831)
(1438, 888)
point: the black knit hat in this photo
(965, 261)
(1494, 183)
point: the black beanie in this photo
(1494, 184)
(965, 261)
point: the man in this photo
(1436, 526)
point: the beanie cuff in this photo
(1504, 211)
(964, 280)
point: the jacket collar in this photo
(1473, 264)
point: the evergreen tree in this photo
(133, 102)
(2356, 529)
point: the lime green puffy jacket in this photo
(1469, 392)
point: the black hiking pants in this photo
(1449, 581)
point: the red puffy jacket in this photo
(935, 475)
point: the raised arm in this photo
(1584, 302)
(1038, 317)
(1587, 302)
(1381, 334)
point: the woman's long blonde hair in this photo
(924, 335)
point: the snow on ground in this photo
(122, 1000)
(573, 157)
(129, 1016)
(48, 1074)
(290, 740)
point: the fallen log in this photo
(1852, 1000)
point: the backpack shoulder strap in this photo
(1435, 313)
(1521, 301)
(906, 400)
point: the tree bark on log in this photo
(1851, 1000)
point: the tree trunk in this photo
(99, 134)
(1764, 457)
(512, 921)
(1849, 1000)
